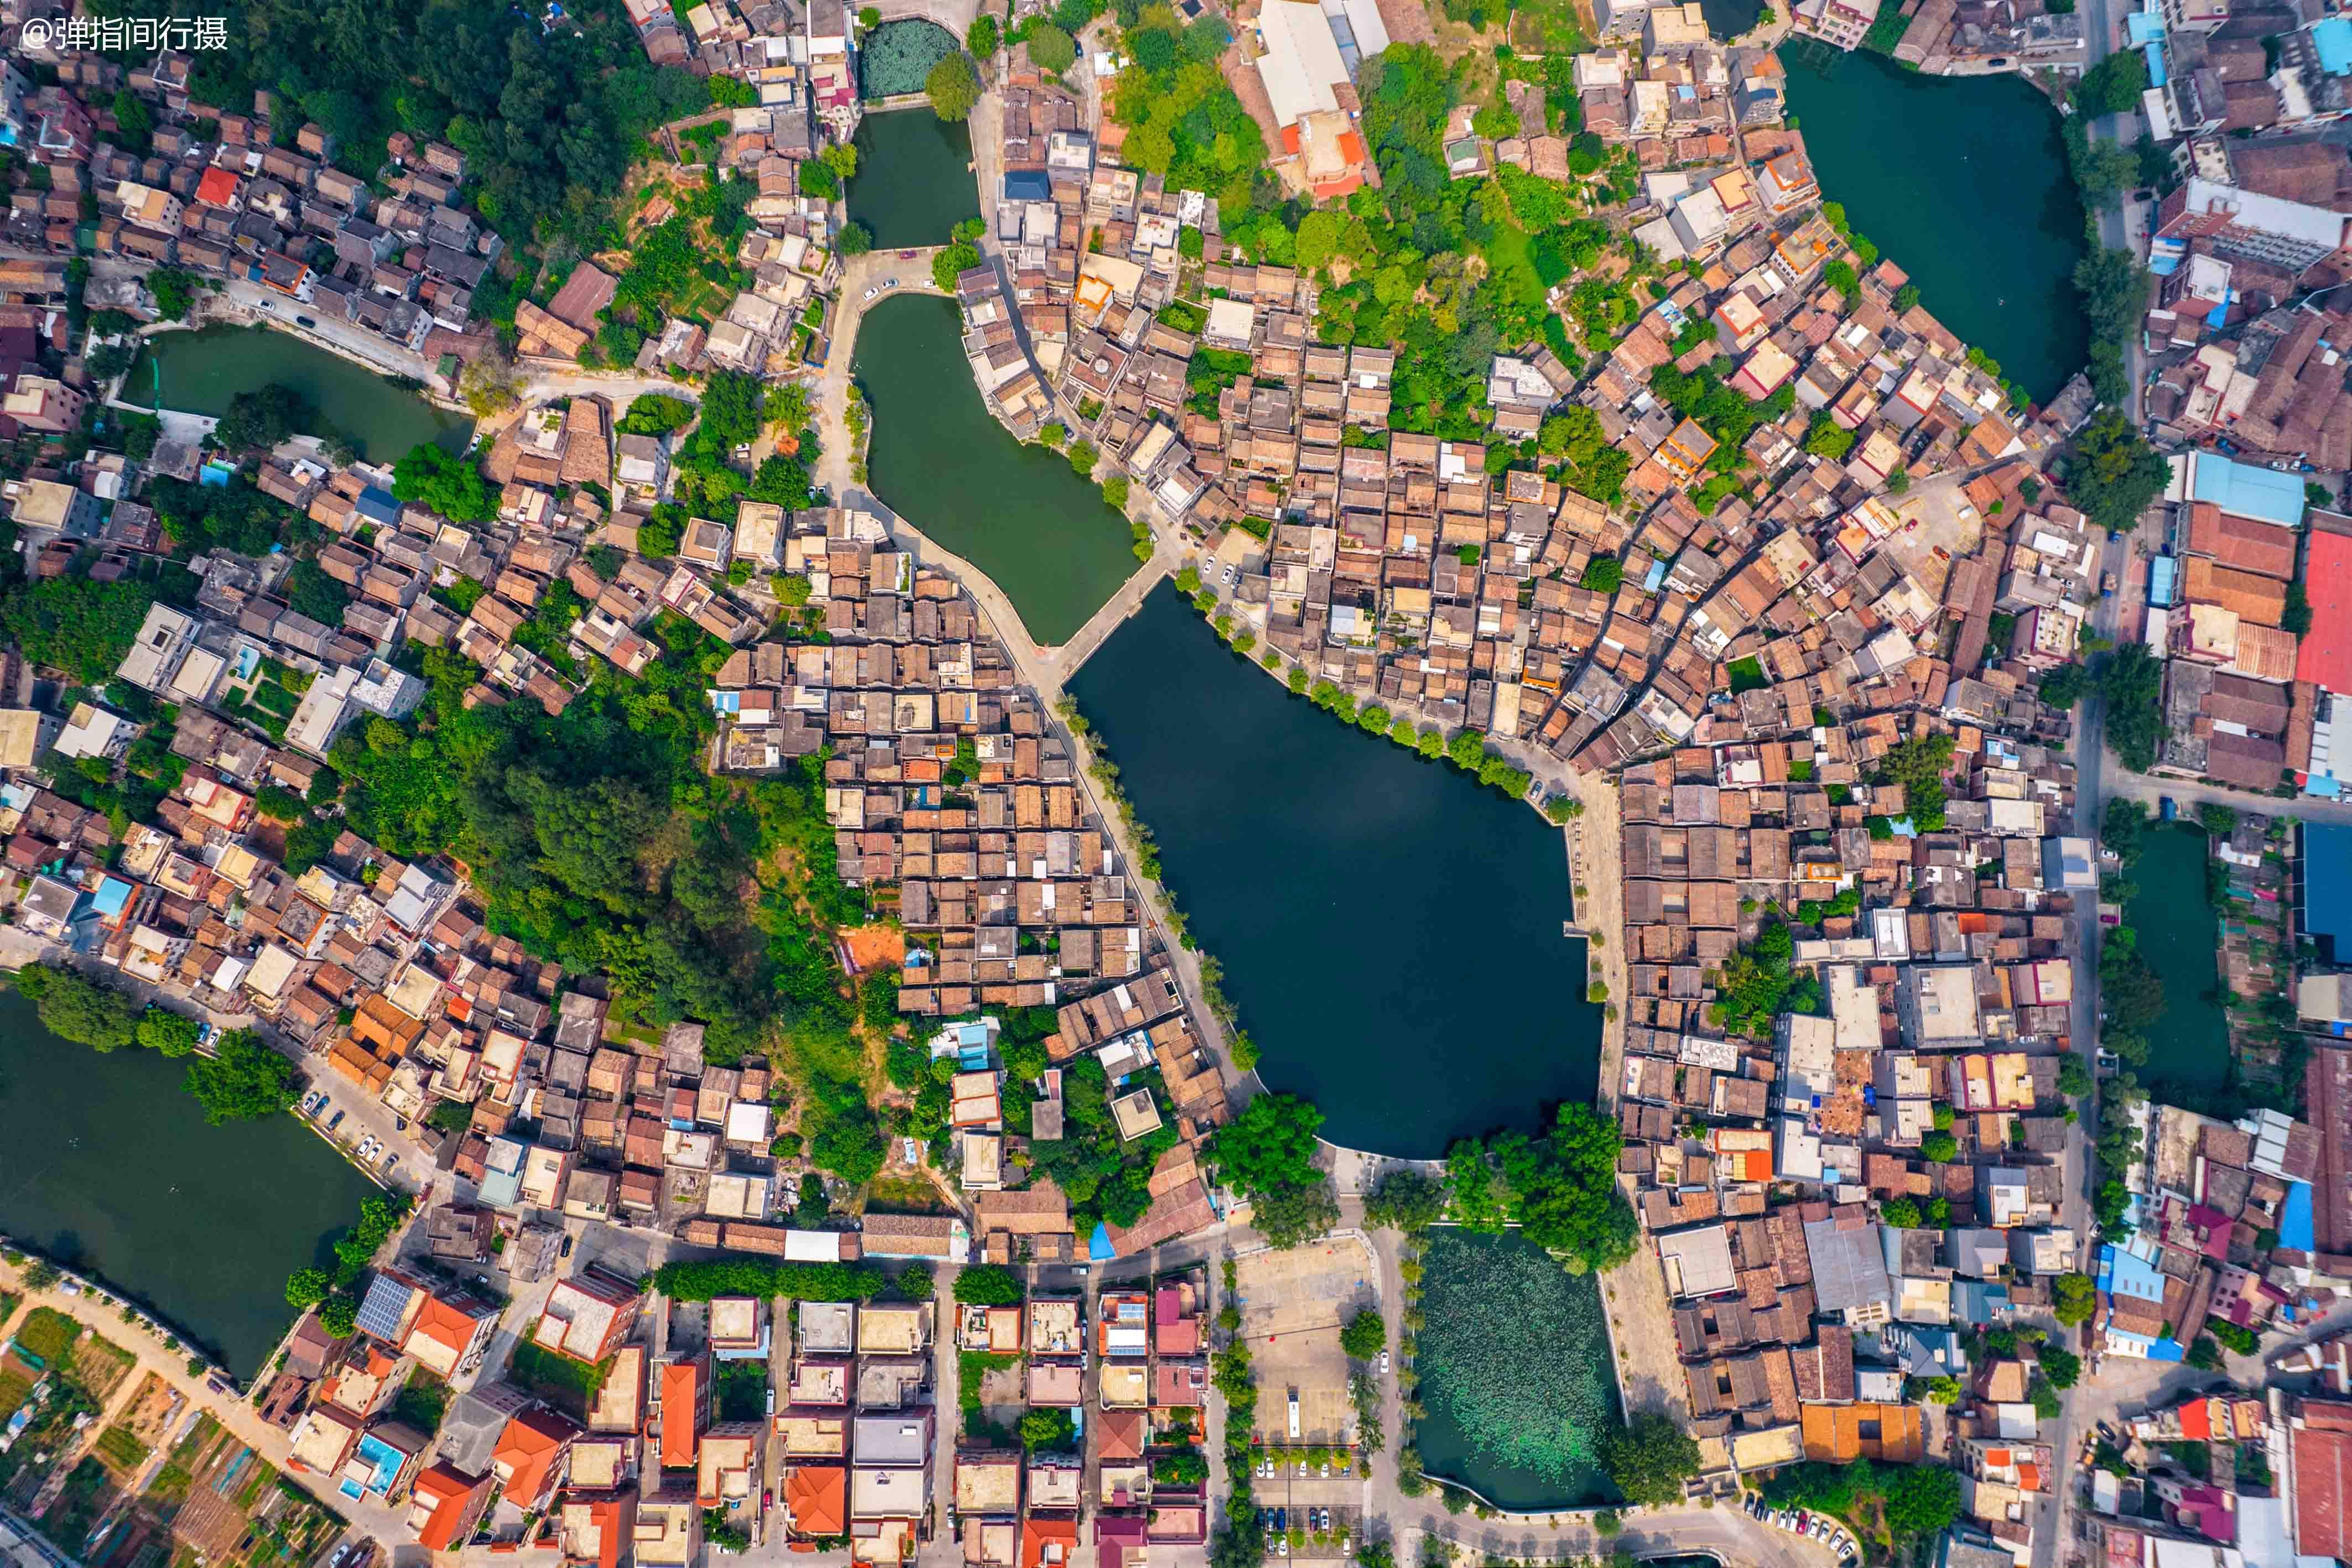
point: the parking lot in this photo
(1293, 1528)
(1830, 1533)
(1293, 1304)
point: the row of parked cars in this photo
(1819, 1527)
(1280, 1521)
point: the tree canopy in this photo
(954, 88)
(84, 1011)
(1560, 1186)
(1267, 1153)
(1648, 1458)
(2112, 474)
(453, 486)
(243, 1081)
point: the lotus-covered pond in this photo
(1514, 1364)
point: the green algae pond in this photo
(1020, 513)
(1515, 1373)
(108, 1165)
(2188, 1043)
(200, 371)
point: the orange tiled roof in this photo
(818, 1498)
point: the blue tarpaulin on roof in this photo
(2144, 27)
(2155, 53)
(1098, 1246)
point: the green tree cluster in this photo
(242, 1080)
(988, 1285)
(1267, 1153)
(85, 1011)
(453, 486)
(1105, 1178)
(75, 625)
(1913, 1500)
(953, 87)
(706, 1279)
(1922, 765)
(1757, 984)
(1559, 1186)
(1649, 1458)
(2112, 474)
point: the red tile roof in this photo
(449, 1490)
(1048, 1542)
(681, 1400)
(2324, 658)
(2323, 1473)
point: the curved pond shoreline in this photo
(107, 1167)
(941, 459)
(200, 371)
(1994, 253)
(1389, 930)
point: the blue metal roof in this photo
(2144, 27)
(1027, 185)
(377, 505)
(2123, 1273)
(2247, 491)
(2295, 1227)
(2328, 883)
(2332, 38)
(2155, 53)
(2163, 574)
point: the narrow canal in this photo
(200, 371)
(2188, 1044)
(914, 181)
(107, 1165)
(939, 459)
(1390, 929)
(1962, 183)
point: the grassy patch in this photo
(47, 1333)
(1747, 676)
(119, 1447)
(743, 1390)
(568, 1384)
(972, 1367)
(14, 1389)
(256, 1481)
(904, 1195)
